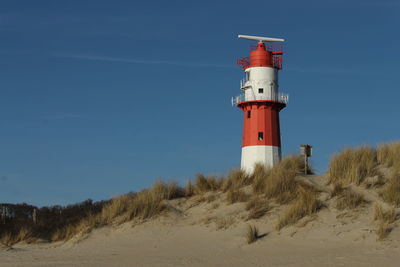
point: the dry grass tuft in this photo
(251, 234)
(10, 239)
(210, 198)
(51, 220)
(281, 184)
(236, 195)
(384, 216)
(189, 189)
(255, 202)
(337, 189)
(116, 207)
(215, 205)
(205, 184)
(69, 231)
(347, 199)
(383, 230)
(388, 155)
(295, 163)
(385, 220)
(277, 182)
(391, 191)
(144, 204)
(165, 191)
(257, 208)
(353, 165)
(260, 176)
(233, 184)
(224, 222)
(374, 182)
(305, 204)
(236, 179)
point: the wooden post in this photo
(305, 164)
(306, 150)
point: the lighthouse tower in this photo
(261, 102)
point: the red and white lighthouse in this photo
(261, 103)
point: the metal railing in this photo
(280, 97)
(243, 82)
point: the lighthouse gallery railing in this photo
(280, 97)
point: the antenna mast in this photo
(260, 38)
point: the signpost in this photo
(306, 150)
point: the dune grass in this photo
(62, 223)
(236, 179)
(53, 223)
(348, 199)
(353, 165)
(257, 207)
(233, 186)
(388, 155)
(251, 234)
(306, 203)
(383, 230)
(391, 191)
(224, 222)
(337, 189)
(385, 221)
(281, 184)
(58, 223)
(260, 176)
(236, 195)
(205, 184)
(278, 185)
(10, 238)
(189, 189)
(278, 182)
(142, 205)
(388, 216)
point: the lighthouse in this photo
(261, 103)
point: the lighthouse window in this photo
(260, 136)
(248, 114)
(260, 90)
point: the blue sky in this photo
(99, 98)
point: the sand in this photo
(212, 233)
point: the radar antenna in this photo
(260, 38)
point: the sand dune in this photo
(195, 232)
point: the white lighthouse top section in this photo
(260, 84)
(260, 38)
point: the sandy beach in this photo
(212, 233)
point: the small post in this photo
(306, 150)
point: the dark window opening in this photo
(260, 90)
(248, 114)
(260, 136)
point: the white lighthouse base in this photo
(267, 155)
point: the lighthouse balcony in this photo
(280, 98)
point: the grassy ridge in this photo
(62, 223)
(279, 185)
(354, 165)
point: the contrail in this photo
(148, 62)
